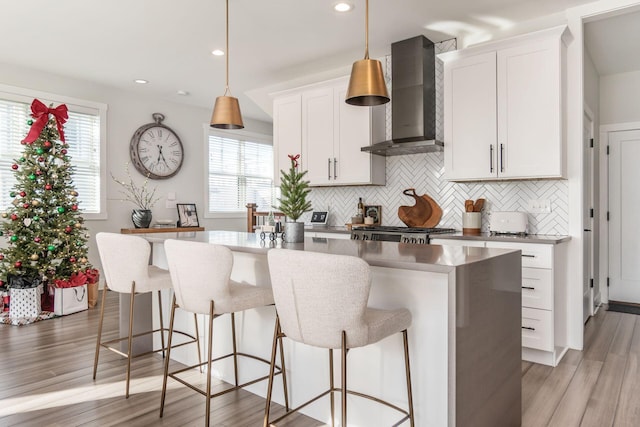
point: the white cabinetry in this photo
(503, 109)
(330, 135)
(544, 297)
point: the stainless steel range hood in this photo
(413, 100)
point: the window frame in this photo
(19, 94)
(237, 135)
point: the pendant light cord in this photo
(366, 32)
(226, 86)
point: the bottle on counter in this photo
(360, 207)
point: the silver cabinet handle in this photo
(501, 158)
(529, 328)
(491, 158)
(335, 168)
(328, 168)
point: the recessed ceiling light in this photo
(217, 52)
(182, 93)
(342, 6)
(141, 81)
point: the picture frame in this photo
(374, 211)
(187, 215)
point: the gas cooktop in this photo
(405, 230)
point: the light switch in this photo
(539, 206)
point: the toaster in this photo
(508, 222)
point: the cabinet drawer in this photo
(537, 329)
(533, 255)
(455, 242)
(537, 288)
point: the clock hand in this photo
(159, 152)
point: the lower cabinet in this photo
(544, 297)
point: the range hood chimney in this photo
(413, 100)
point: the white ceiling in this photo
(273, 42)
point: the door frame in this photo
(591, 202)
(605, 130)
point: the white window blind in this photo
(240, 172)
(82, 132)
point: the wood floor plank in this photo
(628, 410)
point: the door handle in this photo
(529, 328)
(335, 168)
(328, 168)
(501, 158)
(491, 158)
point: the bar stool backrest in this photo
(124, 259)
(200, 273)
(320, 295)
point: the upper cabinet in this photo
(329, 135)
(503, 109)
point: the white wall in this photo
(126, 112)
(619, 94)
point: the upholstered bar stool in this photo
(321, 300)
(201, 273)
(125, 264)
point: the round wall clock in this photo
(156, 150)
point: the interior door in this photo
(587, 218)
(624, 221)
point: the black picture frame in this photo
(187, 215)
(375, 212)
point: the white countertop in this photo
(404, 256)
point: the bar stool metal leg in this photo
(209, 359)
(283, 370)
(166, 360)
(130, 339)
(267, 409)
(161, 322)
(332, 387)
(408, 375)
(235, 349)
(344, 378)
(195, 318)
(95, 360)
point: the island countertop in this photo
(405, 256)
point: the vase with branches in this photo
(140, 195)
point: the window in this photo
(84, 131)
(240, 170)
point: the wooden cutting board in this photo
(425, 213)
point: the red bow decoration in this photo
(93, 275)
(294, 159)
(41, 112)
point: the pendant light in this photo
(366, 85)
(226, 111)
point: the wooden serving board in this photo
(425, 213)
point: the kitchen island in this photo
(464, 340)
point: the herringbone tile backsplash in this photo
(424, 173)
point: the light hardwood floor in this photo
(46, 371)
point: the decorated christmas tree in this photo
(47, 239)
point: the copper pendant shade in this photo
(366, 85)
(226, 111)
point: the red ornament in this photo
(22, 194)
(74, 207)
(18, 264)
(38, 172)
(37, 239)
(14, 217)
(1, 257)
(47, 144)
(72, 259)
(14, 167)
(63, 151)
(41, 159)
(26, 205)
(48, 187)
(68, 229)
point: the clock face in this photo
(156, 151)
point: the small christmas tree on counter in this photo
(294, 191)
(47, 239)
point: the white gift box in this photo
(25, 302)
(70, 300)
